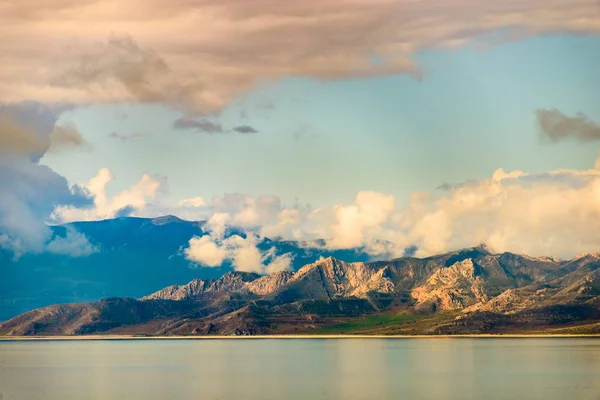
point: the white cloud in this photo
(370, 210)
(549, 214)
(74, 244)
(214, 249)
(217, 224)
(129, 200)
(193, 202)
(554, 213)
(247, 211)
(500, 175)
(280, 263)
(248, 259)
(206, 251)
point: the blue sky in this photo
(322, 141)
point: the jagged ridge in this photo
(480, 285)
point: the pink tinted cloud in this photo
(202, 54)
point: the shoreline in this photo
(297, 337)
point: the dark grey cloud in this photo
(448, 187)
(202, 125)
(245, 129)
(410, 251)
(556, 126)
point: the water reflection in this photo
(303, 369)
(360, 371)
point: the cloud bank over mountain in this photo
(553, 213)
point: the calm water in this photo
(302, 369)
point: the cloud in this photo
(202, 125)
(206, 251)
(193, 202)
(553, 213)
(133, 199)
(74, 244)
(67, 137)
(243, 253)
(17, 139)
(202, 55)
(500, 175)
(217, 224)
(126, 136)
(247, 211)
(29, 191)
(121, 69)
(245, 129)
(556, 126)
(410, 251)
(247, 258)
(529, 214)
(370, 210)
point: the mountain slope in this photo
(136, 256)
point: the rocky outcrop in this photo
(451, 288)
(506, 302)
(228, 283)
(180, 292)
(340, 279)
(270, 283)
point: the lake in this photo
(440, 368)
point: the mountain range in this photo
(135, 256)
(469, 291)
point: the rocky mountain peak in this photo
(269, 283)
(453, 287)
(179, 292)
(164, 220)
(340, 279)
(325, 262)
(588, 255)
(484, 248)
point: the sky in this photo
(391, 124)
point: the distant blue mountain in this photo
(138, 256)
